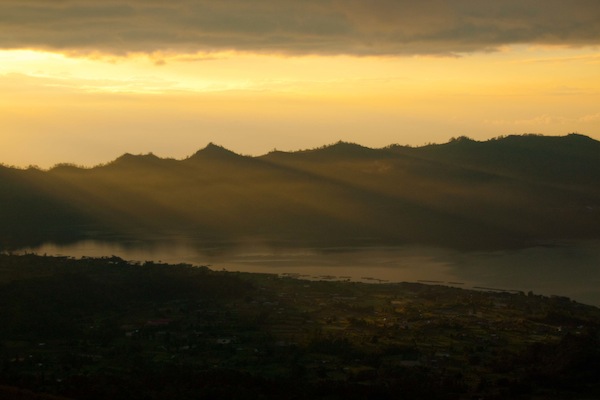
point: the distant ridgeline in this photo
(507, 192)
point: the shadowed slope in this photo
(31, 213)
(515, 191)
(571, 159)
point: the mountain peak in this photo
(128, 157)
(213, 151)
(346, 149)
(135, 160)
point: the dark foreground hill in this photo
(512, 191)
(108, 329)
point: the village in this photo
(424, 338)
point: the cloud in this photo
(585, 58)
(356, 27)
(590, 118)
(547, 120)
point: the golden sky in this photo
(85, 81)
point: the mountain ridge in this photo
(568, 143)
(508, 192)
(348, 149)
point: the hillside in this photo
(507, 192)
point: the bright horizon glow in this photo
(89, 109)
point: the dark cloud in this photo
(296, 26)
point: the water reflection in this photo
(571, 270)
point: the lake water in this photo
(571, 270)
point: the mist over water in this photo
(571, 270)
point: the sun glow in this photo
(495, 74)
(90, 108)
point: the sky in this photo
(84, 81)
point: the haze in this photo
(86, 81)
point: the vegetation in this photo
(510, 192)
(107, 328)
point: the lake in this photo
(571, 270)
